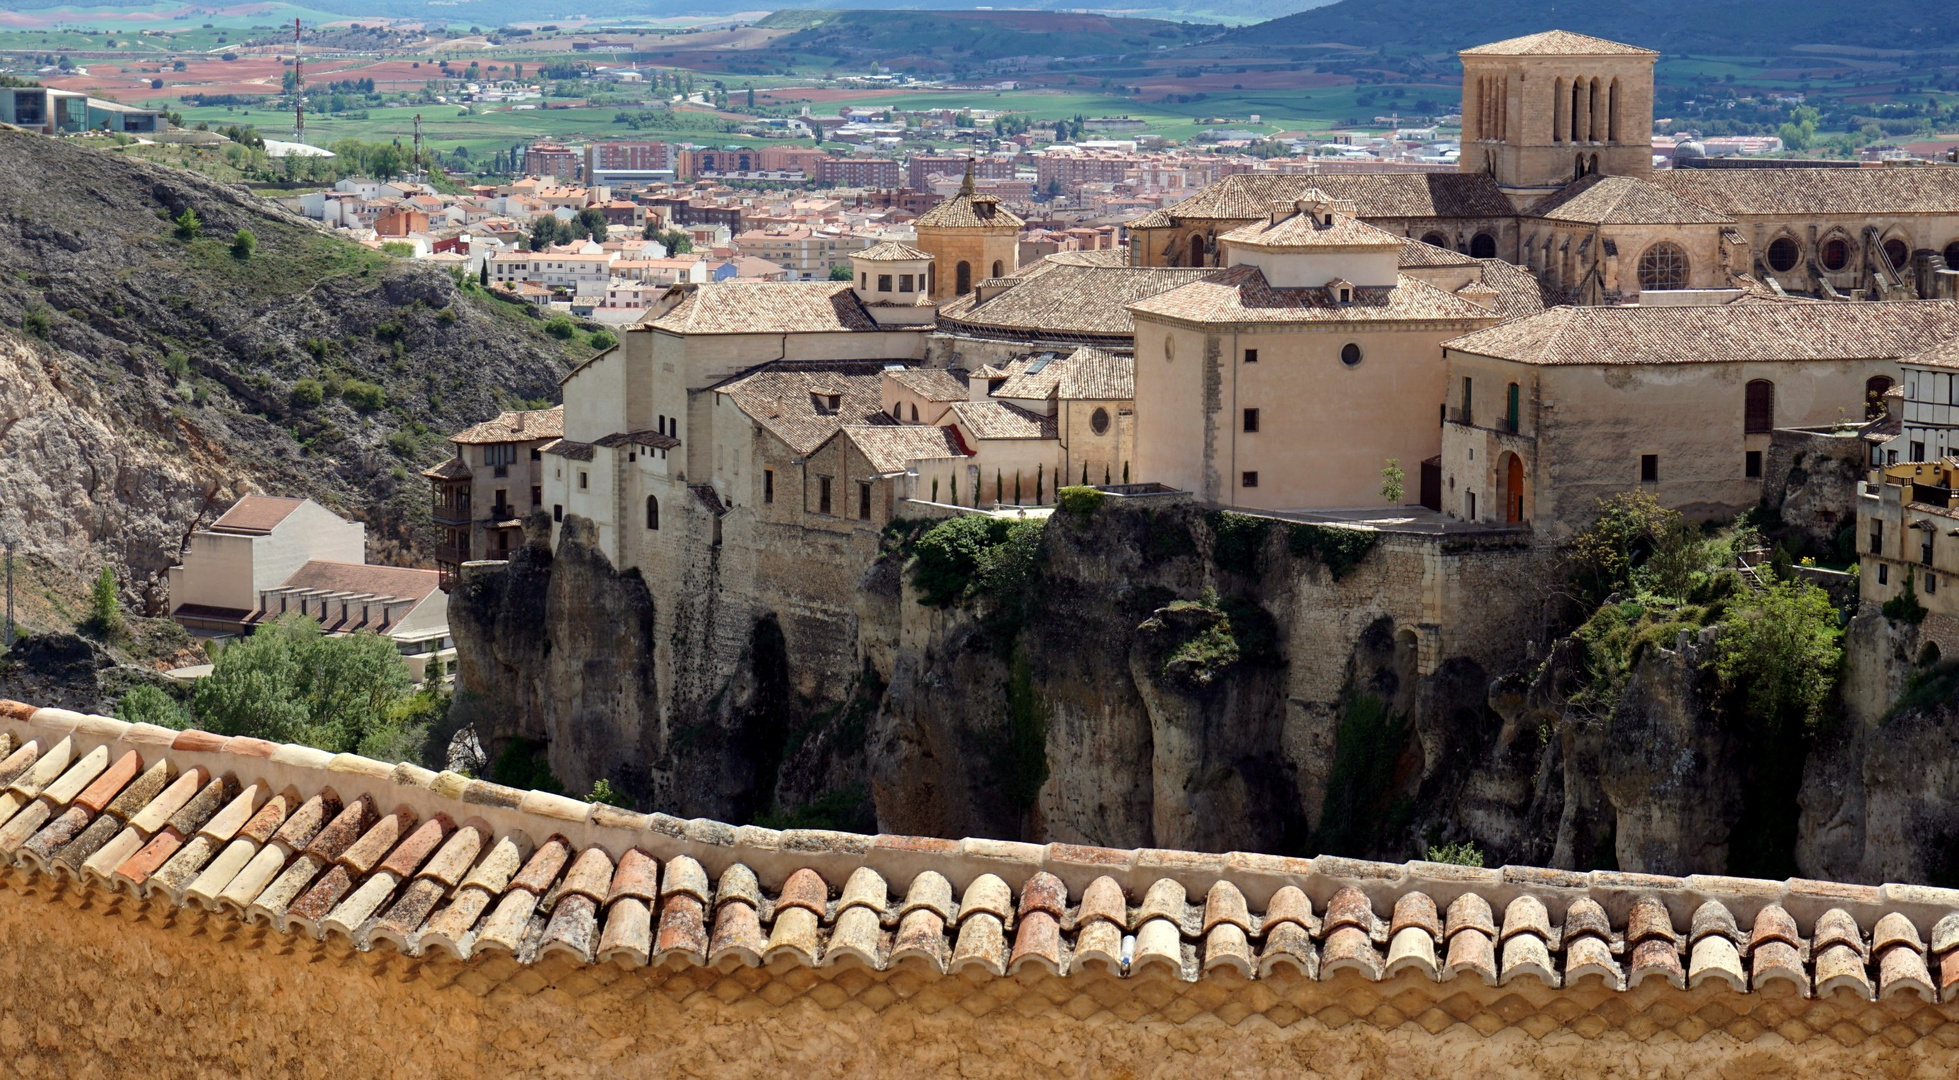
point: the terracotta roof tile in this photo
(791, 399)
(1727, 334)
(968, 211)
(1246, 196)
(1556, 43)
(1240, 295)
(1862, 193)
(1623, 200)
(1301, 231)
(890, 251)
(932, 384)
(522, 425)
(1053, 300)
(891, 448)
(1000, 420)
(766, 307)
(255, 514)
(577, 904)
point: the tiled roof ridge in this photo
(423, 862)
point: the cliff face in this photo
(146, 380)
(1164, 677)
(1168, 677)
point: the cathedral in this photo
(1557, 175)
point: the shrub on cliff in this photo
(1781, 655)
(963, 557)
(1339, 550)
(146, 704)
(1080, 501)
(289, 682)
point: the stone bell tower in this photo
(1541, 111)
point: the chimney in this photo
(519, 425)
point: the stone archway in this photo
(1512, 487)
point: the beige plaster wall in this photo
(120, 991)
(1325, 430)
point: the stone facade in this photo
(1544, 110)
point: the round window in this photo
(1098, 421)
(1350, 354)
(1836, 255)
(1898, 252)
(1784, 254)
(1169, 347)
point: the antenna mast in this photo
(298, 88)
(418, 148)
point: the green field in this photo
(445, 128)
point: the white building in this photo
(268, 556)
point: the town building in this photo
(482, 493)
(551, 159)
(268, 556)
(1928, 408)
(1556, 174)
(1908, 540)
(627, 162)
(857, 172)
(1295, 375)
(49, 111)
(1546, 414)
(971, 238)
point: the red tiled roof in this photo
(1241, 295)
(1557, 43)
(255, 514)
(371, 856)
(407, 582)
(1761, 331)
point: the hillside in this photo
(146, 380)
(916, 39)
(1726, 26)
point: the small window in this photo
(768, 485)
(904, 283)
(864, 280)
(1649, 468)
(537, 496)
(1248, 480)
(1251, 421)
(1917, 451)
(1877, 536)
(1883, 574)
(584, 481)
(864, 500)
(652, 513)
(822, 494)
(1511, 407)
(1752, 465)
(557, 513)
(1098, 421)
(1350, 354)
(536, 454)
(884, 283)
(1931, 584)
(1251, 356)
(1468, 399)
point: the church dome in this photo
(1689, 151)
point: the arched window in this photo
(1612, 112)
(1197, 251)
(1898, 252)
(1577, 106)
(1436, 239)
(914, 413)
(1098, 421)
(1784, 253)
(1759, 415)
(652, 512)
(1483, 246)
(1558, 104)
(1836, 254)
(1592, 166)
(999, 268)
(1663, 266)
(1591, 112)
(1952, 255)
(1578, 167)
(1875, 388)
(962, 278)
(1512, 407)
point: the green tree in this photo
(363, 396)
(842, 272)
(289, 682)
(1800, 132)
(146, 704)
(545, 231)
(601, 340)
(105, 604)
(561, 328)
(189, 225)
(1781, 656)
(1391, 482)
(483, 274)
(591, 222)
(243, 244)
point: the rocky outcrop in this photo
(146, 380)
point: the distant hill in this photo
(1736, 27)
(914, 39)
